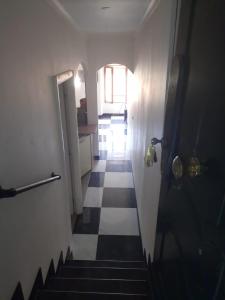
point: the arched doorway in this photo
(114, 95)
(113, 89)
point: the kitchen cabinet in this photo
(85, 154)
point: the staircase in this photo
(97, 280)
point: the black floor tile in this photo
(103, 154)
(96, 179)
(88, 222)
(118, 166)
(119, 197)
(105, 117)
(119, 247)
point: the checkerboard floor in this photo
(108, 227)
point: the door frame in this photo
(176, 85)
(176, 78)
(67, 79)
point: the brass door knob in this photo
(194, 167)
(177, 167)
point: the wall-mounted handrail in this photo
(8, 193)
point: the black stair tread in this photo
(73, 295)
(102, 272)
(107, 263)
(98, 285)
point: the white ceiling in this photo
(105, 15)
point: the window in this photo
(115, 83)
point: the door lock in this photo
(150, 156)
(156, 141)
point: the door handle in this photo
(192, 168)
(177, 167)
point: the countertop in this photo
(87, 129)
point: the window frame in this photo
(111, 67)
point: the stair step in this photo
(98, 285)
(73, 295)
(102, 272)
(106, 263)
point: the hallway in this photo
(108, 228)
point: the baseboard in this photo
(69, 254)
(51, 271)
(155, 291)
(38, 285)
(18, 293)
(60, 262)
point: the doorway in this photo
(113, 89)
(115, 93)
(67, 109)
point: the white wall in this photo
(80, 89)
(104, 49)
(146, 117)
(100, 91)
(36, 44)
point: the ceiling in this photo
(105, 15)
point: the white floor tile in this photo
(103, 146)
(117, 118)
(99, 165)
(118, 221)
(113, 155)
(104, 132)
(84, 246)
(93, 197)
(104, 121)
(118, 179)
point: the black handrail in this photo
(8, 193)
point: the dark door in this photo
(189, 259)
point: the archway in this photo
(114, 85)
(114, 94)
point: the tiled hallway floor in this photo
(108, 228)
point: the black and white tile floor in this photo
(108, 228)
